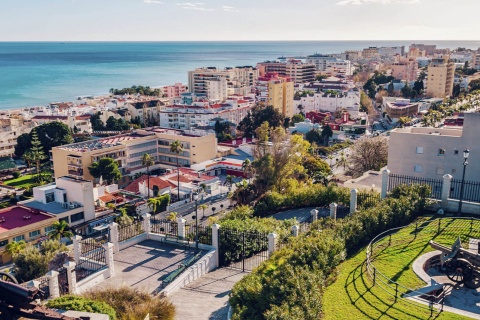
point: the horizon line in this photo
(263, 40)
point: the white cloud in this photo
(194, 6)
(229, 9)
(153, 1)
(360, 2)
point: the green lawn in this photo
(21, 182)
(352, 295)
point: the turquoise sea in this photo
(36, 73)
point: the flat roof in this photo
(51, 207)
(17, 217)
(101, 143)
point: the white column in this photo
(147, 223)
(333, 210)
(181, 228)
(353, 200)
(447, 185)
(53, 286)
(295, 230)
(314, 215)
(385, 175)
(272, 242)
(114, 236)
(109, 258)
(216, 243)
(71, 276)
(77, 248)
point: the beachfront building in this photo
(391, 51)
(127, 150)
(330, 101)
(405, 68)
(10, 129)
(328, 64)
(19, 223)
(174, 91)
(178, 116)
(433, 152)
(148, 111)
(370, 53)
(277, 67)
(300, 72)
(81, 122)
(440, 78)
(428, 48)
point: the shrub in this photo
(82, 304)
(130, 303)
(16, 174)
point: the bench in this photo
(181, 267)
(175, 240)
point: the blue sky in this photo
(150, 20)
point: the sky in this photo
(171, 20)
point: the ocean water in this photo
(36, 73)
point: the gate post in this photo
(114, 237)
(147, 223)
(71, 277)
(77, 247)
(272, 239)
(353, 200)
(181, 228)
(216, 243)
(314, 215)
(109, 258)
(446, 186)
(385, 176)
(53, 284)
(295, 230)
(333, 210)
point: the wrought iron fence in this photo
(130, 231)
(471, 190)
(367, 200)
(164, 226)
(63, 281)
(395, 180)
(204, 233)
(90, 263)
(90, 244)
(43, 286)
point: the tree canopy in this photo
(52, 134)
(369, 154)
(258, 115)
(107, 168)
(147, 91)
(222, 130)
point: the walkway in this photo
(207, 297)
(144, 265)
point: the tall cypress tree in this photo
(36, 153)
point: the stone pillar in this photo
(272, 242)
(77, 248)
(71, 276)
(147, 223)
(181, 228)
(314, 215)
(447, 185)
(114, 236)
(33, 284)
(353, 200)
(109, 258)
(333, 210)
(385, 175)
(53, 286)
(295, 230)
(216, 243)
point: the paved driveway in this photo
(144, 265)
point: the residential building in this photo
(440, 78)
(300, 72)
(370, 53)
(331, 65)
(82, 123)
(280, 93)
(416, 53)
(147, 110)
(330, 102)
(174, 91)
(19, 223)
(127, 150)
(428, 48)
(10, 129)
(272, 67)
(399, 107)
(434, 152)
(405, 69)
(391, 51)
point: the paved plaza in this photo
(144, 265)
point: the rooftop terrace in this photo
(17, 217)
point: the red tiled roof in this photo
(50, 117)
(154, 181)
(107, 197)
(14, 218)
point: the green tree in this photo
(172, 216)
(124, 219)
(107, 168)
(298, 118)
(317, 169)
(52, 134)
(343, 160)
(15, 247)
(97, 123)
(176, 147)
(320, 77)
(60, 229)
(258, 115)
(148, 160)
(313, 136)
(326, 134)
(24, 142)
(203, 207)
(369, 154)
(247, 168)
(35, 154)
(404, 120)
(153, 204)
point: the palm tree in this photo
(172, 216)
(153, 204)
(203, 207)
(229, 180)
(247, 167)
(147, 160)
(330, 157)
(15, 247)
(60, 230)
(176, 147)
(343, 161)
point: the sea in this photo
(38, 73)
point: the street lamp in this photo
(466, 153)
(195, 197)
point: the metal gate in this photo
(242, 250)
(92, 258)
(63, 281)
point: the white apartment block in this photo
(434, 152)
(329, 102)
(300, 72)
(331, 65)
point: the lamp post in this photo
(466, 153)
(195, 197)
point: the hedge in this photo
(82, 304)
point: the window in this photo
(3, 243)
(440, 170)
(419, 150)
(49, 197)
(48, 229)
(76, 217)
(454, 171)
(19, 238)
(441, 152)
(455, 152)
(34, 233)
(417, 168)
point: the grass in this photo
(22, 181)
(353, 296)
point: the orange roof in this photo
(107, 197)
(154, 181)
